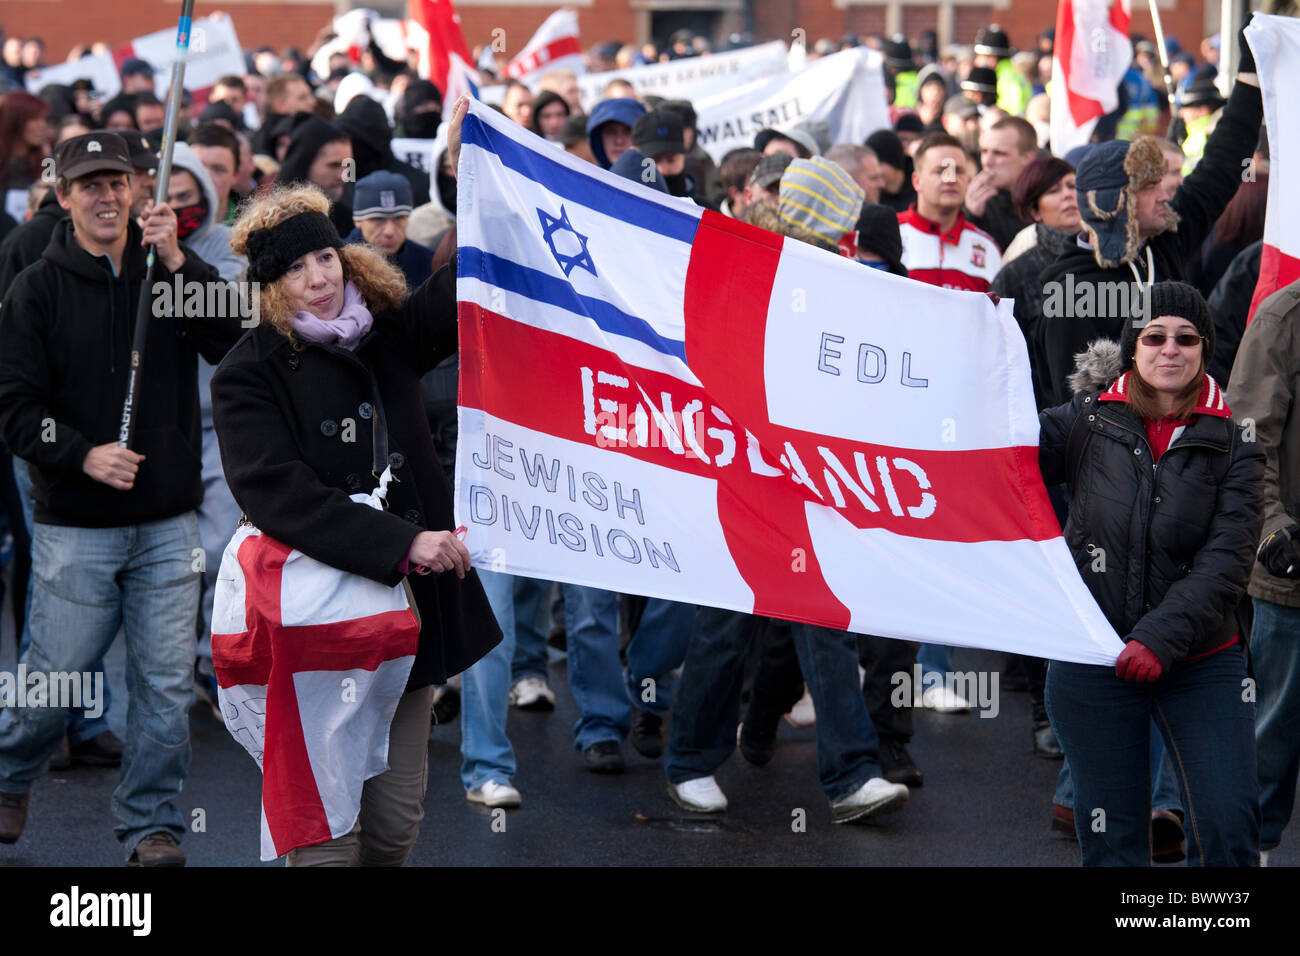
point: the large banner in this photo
(659, 400)
(845, 90)
(692, 77)
(1275, 41)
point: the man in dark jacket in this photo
(115, 532)
(1263, 392)
(367, 123)
(320, 153)
(1135, 233)
(383, 207)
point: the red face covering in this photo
(190, 218)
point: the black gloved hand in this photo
(1247, 61)
(1280, 552)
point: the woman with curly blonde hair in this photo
(309, 407)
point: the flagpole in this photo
(126, 431)
(1164, 58)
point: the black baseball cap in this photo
(93, 153)
(144, 155)
(658, 132)
(136, 65)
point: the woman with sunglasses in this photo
(1164, 519)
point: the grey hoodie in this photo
(211, 241)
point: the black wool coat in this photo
(296, 429)
(1178, 542)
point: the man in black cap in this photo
(88, 740)
(1199, 112)
(658, 154)
(1135, 232)
(137, 76)
(382, 211)
(993, 51)
(699, 164)
(981, 86)
(900, 70)
(115, 531)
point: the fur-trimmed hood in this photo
(1096, 367)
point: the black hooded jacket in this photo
(25, 244)
(1069, 324)
(67, 324)
(309, 136)
(367, 123)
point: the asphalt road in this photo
(986, 802)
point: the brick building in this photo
(280, 23)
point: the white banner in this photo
(690, 78)
(214, 53)
(845, 90)
(99, 69)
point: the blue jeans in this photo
(80, 727)
(1275, 646)
(1104, 724)
(86, 583)
(657, 649)
(591, 637)
(485, 749)
(1164, 785)
(706, 707)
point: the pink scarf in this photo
(346, 330)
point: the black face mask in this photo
(447, 191)
(422, 125)
(679, 185)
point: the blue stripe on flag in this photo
(537, 285)
(587, 190)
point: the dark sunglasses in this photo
(1184, 340)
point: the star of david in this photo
(551, 227)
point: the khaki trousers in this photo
(392, 804)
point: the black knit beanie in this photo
(272, 251)
(1168, 298)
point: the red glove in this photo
(1138, 663)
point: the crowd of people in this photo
(286, 181)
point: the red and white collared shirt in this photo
(964, 257)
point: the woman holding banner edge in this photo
(1164, 519)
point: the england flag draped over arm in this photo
(1275, 41)
(656, 399)
(1091, 54)
(554, 46)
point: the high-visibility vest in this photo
(905, 88)
(1198, 134)
(1014, 91)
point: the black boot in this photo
(897, 763)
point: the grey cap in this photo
(769, 170)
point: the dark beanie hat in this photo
(1168, 298)
(878, 232)
(887, 147)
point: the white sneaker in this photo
(493, 794)
(942, 700)
(874, 798)
(701, 795)
(802, 713)
(532, 693)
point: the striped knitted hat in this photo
(819, 197)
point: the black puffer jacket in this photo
(1178, 543)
